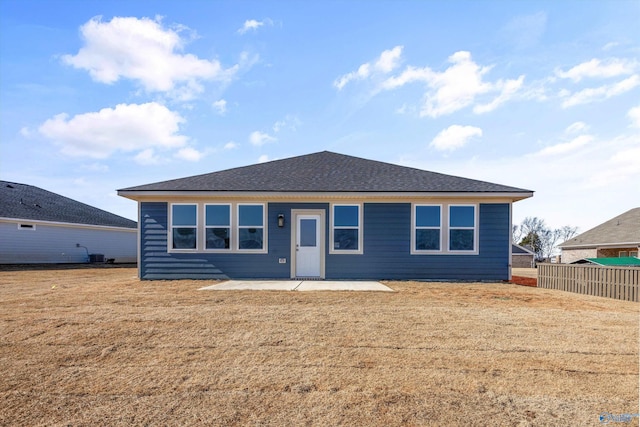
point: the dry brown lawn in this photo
(100, 347)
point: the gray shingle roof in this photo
(26, 202)
(327, 172)
(624, 228)
(521, 250)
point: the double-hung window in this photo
(462, 228)
(428, 228)
(251, 231)
(184, 226)
(218, 226)
(347, 233)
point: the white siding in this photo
(57, 243)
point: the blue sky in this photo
(101, 95)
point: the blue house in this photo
(325, 216)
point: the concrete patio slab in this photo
(326, 285)
(298, 285)
(256, 285)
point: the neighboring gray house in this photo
(618, 237)
(325, 216)
(38, 226)
(522, 256)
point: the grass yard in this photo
(99, 347)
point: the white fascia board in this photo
(271, 195)
(67, 224)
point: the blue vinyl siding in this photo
(157, 263)
(387, 253)
(387, 229)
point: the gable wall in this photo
(387, 240)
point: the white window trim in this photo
(414, 228)
(473, 251)
(264, 227)
(171, 227)
(445, 229)
(26, 227)
(205, 227)
(332, 227)
(201, 229)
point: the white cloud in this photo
(290, 122)
(362, 73)
(634, 116)
(26, 132)
(190, 154)
(455, 137)
(220, 106)
(566, 147)
(126, 128)
(231, 145)
(577, 127)
(147, 157)
(598, 69)
(145, 51)
(253, 25)
(263, 158)
(386, 62)
(96, 167)
(618, 166)
(258, 138)
(589, 95)
(409, 75)
(507, 90)
(456, 87)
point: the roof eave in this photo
(140, 195)
(600, 245)
(69, 224)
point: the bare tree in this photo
(542, 240)
(566, 232)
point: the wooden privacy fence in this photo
(611, 282)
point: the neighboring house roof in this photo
(621, 230)
(612, 262)
(26, 202)
(520, 250)
(328, 172)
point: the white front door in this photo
(308, 254)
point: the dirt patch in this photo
(98, 346)
(524, 281)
